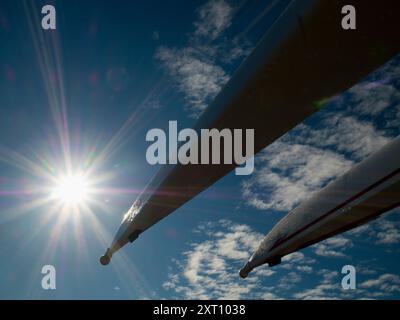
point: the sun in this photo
(71, 189)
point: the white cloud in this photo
(326, 289)
(195, 259)
(210, 268)
(329, 287)
(198, 78)
(214, 18)
(297, 261)
(293, 258)
(382, 231)
(345, 134)
(270, 296)
(377, 94)
(197, 68)
(290, 280)
(388, 232)
(290, 173)
(372, 98)
(394, 120)
(333, 247)
(384, 285)
(359, 230)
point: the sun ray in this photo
(129, 277)
(66, 191)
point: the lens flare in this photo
(71, 189)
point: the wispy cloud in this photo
(385, 285)
(393, 119)
(378, 93)
(327, 289)
(288, 173)
(214, 18)
(384, 231)
(290, 280)
(372, 98)
(198, 68)
(305, 160)
(209, 269)
(199, 78)
(344, 134)
(389, 232)
(333, 247)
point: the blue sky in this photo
(90, 91)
